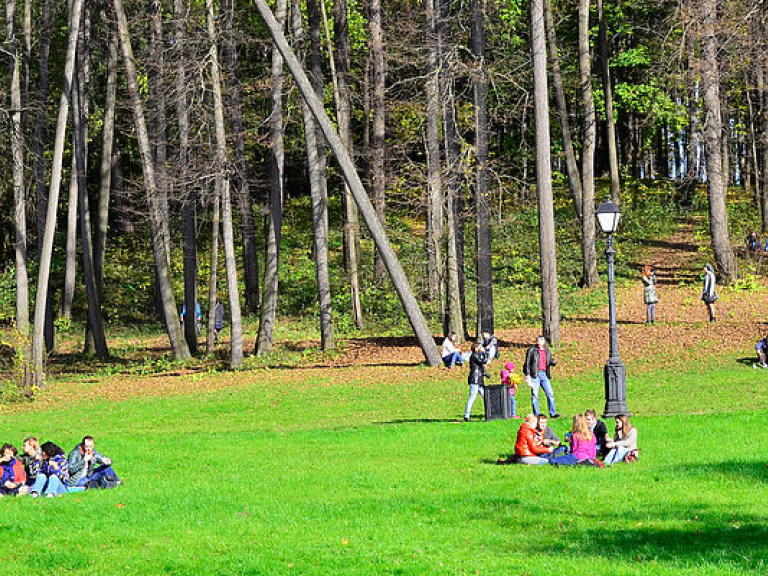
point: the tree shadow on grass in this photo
(420, 421)
(749, 470)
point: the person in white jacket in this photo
(451, 354)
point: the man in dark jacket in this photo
(477, 373)
(599, 429)
(538, 361)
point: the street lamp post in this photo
(608, 216)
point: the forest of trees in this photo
(184, 126)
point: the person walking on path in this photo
(709, 294)
(477, 373)
(649, 294)
(538, 361)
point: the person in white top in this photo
(451, 354)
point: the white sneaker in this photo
(763, 366)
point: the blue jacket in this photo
(8, 475)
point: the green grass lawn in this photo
(381, 478)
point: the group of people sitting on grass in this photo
(588, 442)
(45, 470)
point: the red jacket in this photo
(526, 444)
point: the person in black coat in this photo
(600, 430)
(538, 361)
(477, 374)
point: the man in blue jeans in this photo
(90, 468)
(538, 361)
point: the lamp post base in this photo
(615, 389)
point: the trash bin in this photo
(497, 405)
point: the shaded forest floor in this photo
(680, 335)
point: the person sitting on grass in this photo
(54, 473)
(90, 468)
(624, 443)
(31, 458)
(761, 348)
(13, 477)
(599, 429)
(582, 444)
(528, 450)
(511, 379)
(547, 437)
(450, 353)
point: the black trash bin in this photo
(497, 405)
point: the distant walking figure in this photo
(538, 361)
(649, 294)
(709, 294)
(477, 374)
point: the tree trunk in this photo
(482, 204)
(317, 182)
(156, 116)
(46, 252)
(589, 275)
(340, 74)
(222, 184)
(177, 342)
(379, 235)
(550, 304)
(692, 144)
(610, 124)
(213, 275)
(105, 169)
(70, 255)
(187, 194)
(19, 196)
(275, 227)
(378, 169)
(239, 182)
(435, 196)
(713, 144)
(455, 293)
(574, 177)
(95, 339)
(39, 158)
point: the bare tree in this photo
(550, 302)
(46, 251)
(19, 195)
(340, 76)
(574, 176)
(610, 125)
(435, 196)
(275, 226)
(316, 161)
(239, 181)
(379, 235)
(178, 344)
(589, 275)
(713, 143)
(222, 185)
(482, 204)
(378, 168)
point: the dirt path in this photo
(681, 331)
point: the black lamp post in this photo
(608, 216)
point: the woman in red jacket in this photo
(527, 448)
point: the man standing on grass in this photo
(538, 361)
(90, 468)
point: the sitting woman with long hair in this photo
(583, 444)
(624, 441)
(54, 473)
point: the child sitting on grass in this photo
(13, 477)
(511, 379)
